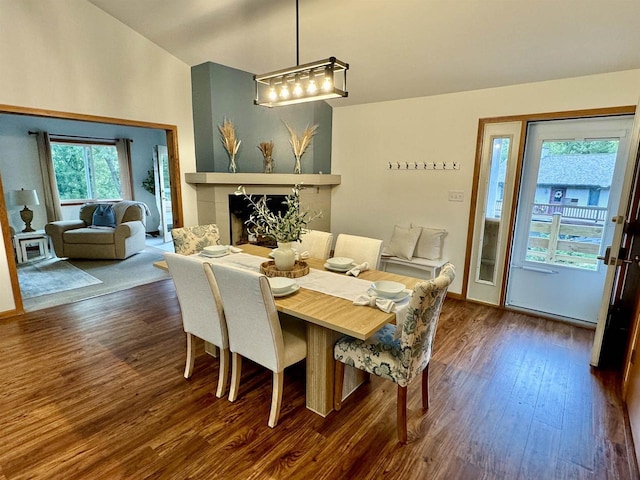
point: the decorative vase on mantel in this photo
(268, 164)
(284, 256)
(232, 163)
(297, 168)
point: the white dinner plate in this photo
(337, 269)
(294, 288)
(205, 254)
(399, 297)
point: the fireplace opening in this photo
(239, 211)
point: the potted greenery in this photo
(284, 228)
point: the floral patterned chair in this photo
(190, 240)
(399, 356)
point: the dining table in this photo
(327, 318)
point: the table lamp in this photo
(25, 197)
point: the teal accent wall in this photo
(221, 92)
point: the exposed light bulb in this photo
(297, 89)
(312, 87)
(273, 95)
(327, 83)
(284, 91)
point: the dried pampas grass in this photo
(228, 137)
(266, 148)
(300, 144)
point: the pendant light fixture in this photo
(319, 80)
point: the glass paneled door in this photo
(163, 191)
(572, 178)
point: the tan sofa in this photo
(79, 239)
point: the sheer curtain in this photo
(123, 147)
(51, 197)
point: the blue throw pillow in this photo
(104, 216)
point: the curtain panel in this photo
(51, 197)
(123, 147)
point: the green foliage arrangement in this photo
(287, 227)
(149, 183)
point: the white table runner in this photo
(334, 284)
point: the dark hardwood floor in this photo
(94, 390)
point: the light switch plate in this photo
(456, 195)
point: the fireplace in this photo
(214, 189)
(239, 211)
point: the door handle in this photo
(635, 260)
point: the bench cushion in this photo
(403, 241)
(430, 243)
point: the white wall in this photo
(371, 198)
(70, 56)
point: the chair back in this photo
(421, 320)
(202, 312)
(317, 243)
(252, 318)
(190, 240)
(361, 249)
(125, 211)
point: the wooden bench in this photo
(432, 267)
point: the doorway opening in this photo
(19, 145)
(571, 182)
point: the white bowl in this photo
(340, 262)
(387, 288)
(281, 284)
(216, 249)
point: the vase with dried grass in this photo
(300, 144)
(230, 142)
(267, 152)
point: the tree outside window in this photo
(86, 171)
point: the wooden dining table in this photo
(327, 318)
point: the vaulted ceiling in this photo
(399, 48)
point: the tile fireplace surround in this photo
(213, 190)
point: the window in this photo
(86, 171)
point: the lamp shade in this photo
(24, 197)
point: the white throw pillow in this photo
(403, 241)
(430, 243)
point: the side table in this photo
(38, 238)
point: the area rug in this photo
(111, 276)
(51, 276)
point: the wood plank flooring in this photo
(94, 390)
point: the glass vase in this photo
(232, 163)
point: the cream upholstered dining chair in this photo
(189, 240)
(317, 243)
(361, 249)
(202, 313)
(399, 356)
(256, 332)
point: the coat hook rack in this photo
(450, 165)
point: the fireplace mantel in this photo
(287, 179)
(213, 191)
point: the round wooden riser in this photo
(299, 269)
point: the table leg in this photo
(320, 370)
(18, 249)
(23, 248)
